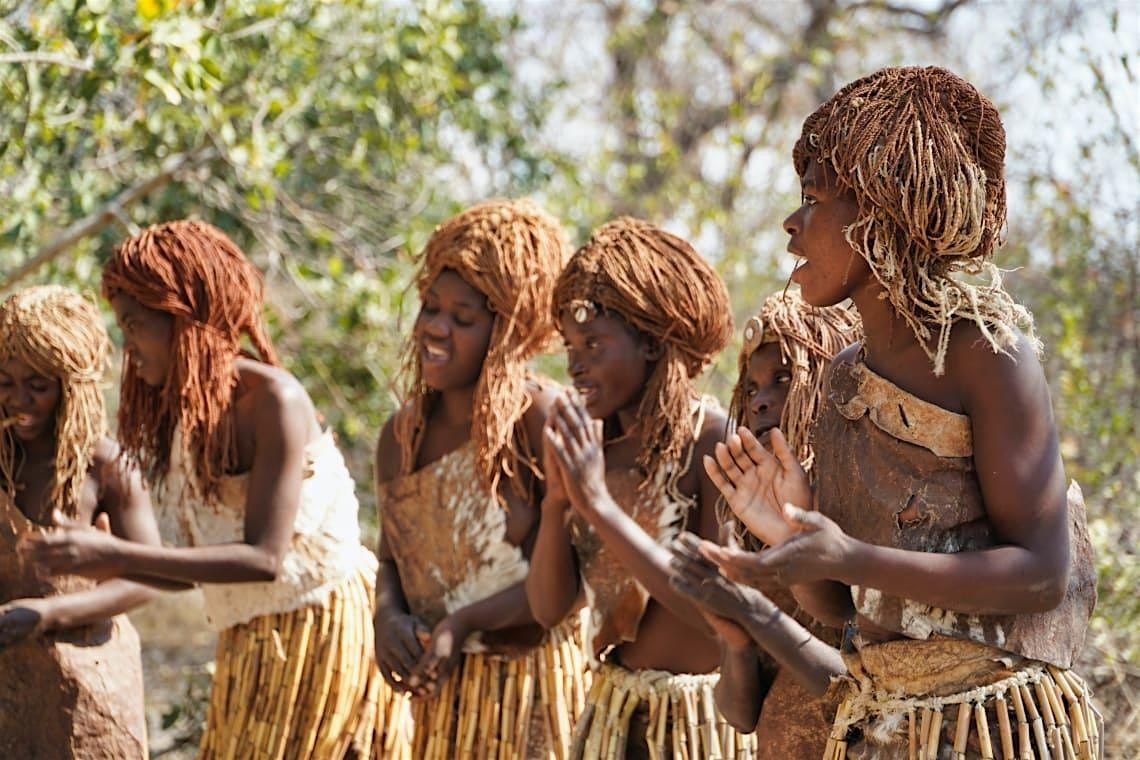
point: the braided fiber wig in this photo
(511, 251)
(809, 338)
(923, 152)
(192, 271)
(664, 289)
(59, 334)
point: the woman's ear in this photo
(651, 348)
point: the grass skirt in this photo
(949, 698)
(304, 684)
(503, 708)
(654, 714)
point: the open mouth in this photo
(20, 422)
(588, 393)
(434, 354)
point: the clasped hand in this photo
(415, 660)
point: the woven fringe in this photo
(304, 684)
(683, 720)
(494, 708)
(1041, 712)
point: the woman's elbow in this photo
(742, 718)
(266, 565)
(1050, 593)
(548, 606)
(740, 722)
(1048, 589)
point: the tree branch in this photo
(36, 56)
(108, 213)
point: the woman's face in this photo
(829, 269)
(767, 380)
(608, 361)
(452, 333)
(29, 397)
(147, 338)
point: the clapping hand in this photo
(757, 483)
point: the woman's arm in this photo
(124, 508)
(811, 661)
(125, 501)
(505, 609)
(1022, 484)
(282, 419)
(397, 633)
(742, 687)
(578, 445)
(552, 583)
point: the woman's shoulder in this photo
(267, 384)
(387, 464)
(114, 473)
(979, 369)
(108, 461)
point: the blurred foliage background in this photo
(329, 138)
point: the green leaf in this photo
(169, 91)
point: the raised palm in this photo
(756, 483)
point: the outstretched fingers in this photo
(752, 447)
(788, 459)
(718, 478)
(556, 440)
(728, 464)
(744, 461)
(586, 425)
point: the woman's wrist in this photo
(462, 624)
(762, 614)
(596, 500)
(554, 504)
(855, 555)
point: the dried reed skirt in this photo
(956, 699)
(507, 708)
(654, 714)
(304, 684)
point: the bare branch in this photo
(110, 212)
(55, 59)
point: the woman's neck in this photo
(455, 407)
(885, 332)
(40, 448)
